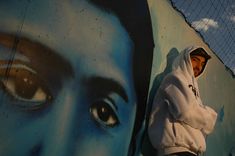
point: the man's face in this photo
(198, 63)
(68, 90)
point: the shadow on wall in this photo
(147, 148)
(232, 151)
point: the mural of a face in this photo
(66, 80)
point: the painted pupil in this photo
(25, 83)
(104, 113)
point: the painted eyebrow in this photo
(41, 57)
(105, 85)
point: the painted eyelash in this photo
(19, 66)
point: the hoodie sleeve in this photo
(183, 106)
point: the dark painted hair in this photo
(135, 17)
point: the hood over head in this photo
(183, 62)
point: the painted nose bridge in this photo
(63, 113)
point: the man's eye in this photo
(103, 113)
(25, 87)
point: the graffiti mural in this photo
(74, 76)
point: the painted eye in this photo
(26, 88)
(103, 113)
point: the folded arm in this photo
(183, 106)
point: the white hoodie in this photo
(179, 122)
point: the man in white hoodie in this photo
(179, 122)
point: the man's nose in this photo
(63, 114)
(199, 67)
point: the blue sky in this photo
(215, 21)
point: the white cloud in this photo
(232, 18)
(204, 24)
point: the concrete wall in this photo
(217, 87)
